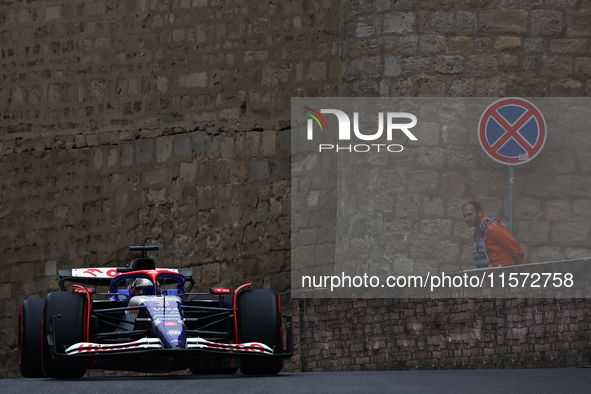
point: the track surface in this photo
(522, 381)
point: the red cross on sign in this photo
(512, 131)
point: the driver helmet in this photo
(143, 286)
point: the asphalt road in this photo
(522, 381)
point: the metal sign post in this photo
(512, 131)
(511, 196)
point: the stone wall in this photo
(156, 122)
(397, 334)
(480, 48)
(468, 48)
(438, 48)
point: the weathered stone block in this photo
(143, 151)
(573, 185)
(50, 268)
(460, 44)
(508, 43)
(448, 64)
(573, 253)
(567, 88)
(98, 158)
(568, 45)
(210, 273)
(400, 23)
(5, 291)
(431, 157)
(432, 44)
(157, 176)
(421, 247)
(493, 87)
(408, 45)
(364, 30)
(252, 142)
(307, 236)
(269, 141)
(440, 227)
(579, 22)
(259, 169)
(227, 147)
(557, 209)
(535, 44)
(194, 80)
(279, 166)
(126, 154)
(230, 113)
(504, 22)
(575, 233)
(462, 156)
(407, 206)
(427, 133)
(316, 71)
(483, 44)
(421, 181)
(461, 88)
(544, 254)
(557, 65)
(163, 148)
(547, 22)
(466, 22)
(447, 252)
(429, 87)
(460, 228)
(442, 22)
(51, 13)
(562, 3)
(156, 196)
(453, 183)
(528, 87)
(482, 64)
(398, 227)
(391, 182)
(198, 143)
(392, 66)
(415, 65)
(582, 208)
(532, 232)
(112, 157)
(188, 172)
(433, 207)
(539, 185)
(582, 66)
(182, 145)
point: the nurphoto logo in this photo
(344, 132)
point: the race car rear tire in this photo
(29, 338)
(63, 324)
(259, 320)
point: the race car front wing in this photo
(155, 343)
(195, 347)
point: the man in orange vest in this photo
(494, 246)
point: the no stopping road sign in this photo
(512, 131)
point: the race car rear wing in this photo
(103, 276)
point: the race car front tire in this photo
(259, 320)
(29, 338)
(63, 326)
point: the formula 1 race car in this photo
(148, 320)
